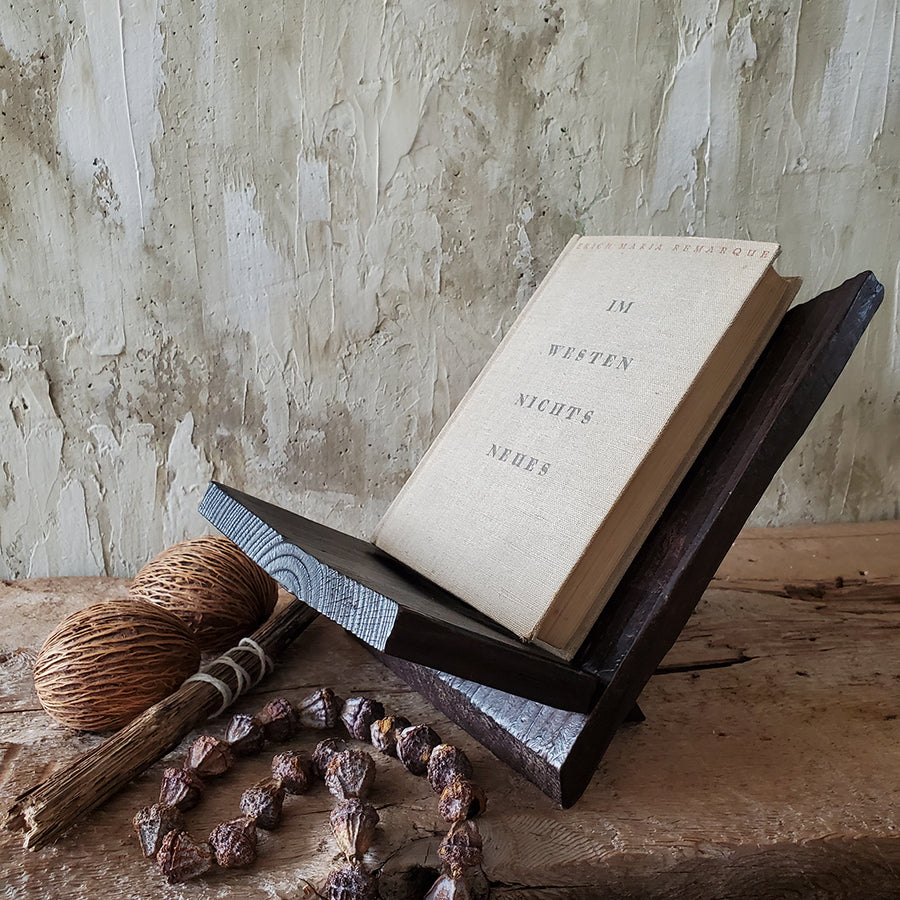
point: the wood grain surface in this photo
(768, 765)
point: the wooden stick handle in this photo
(46, 810)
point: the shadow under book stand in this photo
(559, 749)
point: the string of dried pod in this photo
(348, 774)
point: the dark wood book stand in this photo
(549, 720)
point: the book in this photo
(537, 493)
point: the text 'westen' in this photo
(591, 357)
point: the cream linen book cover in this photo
(505, 502)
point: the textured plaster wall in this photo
(273, 243)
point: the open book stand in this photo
(559, 748)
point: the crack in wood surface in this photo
(838, 590)
(700, 666)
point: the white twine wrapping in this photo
(244, 681)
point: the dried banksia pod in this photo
(350, 773)
(245, 735)
(414, 746)
(262, 803)
(107, 663)
(446, 764)
(462, 847)
(461, 799)
(208, 756)
(384, 733)
(279, 720)
(153, 823)
(181, 858)
(294, 771)
(353, 826)
(358, 715)
(353, 882)
(234, 843)
(216, 590)
(449, 887)
(181, 788)
(321, 709)
(323, 754)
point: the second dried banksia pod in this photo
(350, 774)
(245, 735)
(353, 882)
(294, 770)
(153, 823)
(324, 752)
(321, 709)
(462, 847)
(279, 720)
(181, 858)
(461, 799)
(353, 826)
(446, 764)
(449, 887)
(234, 843)
(262, 803)
(208, 756)
(414, 746)
(358, 715)
(384, 733)
(181, 788)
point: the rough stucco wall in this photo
(273, 244)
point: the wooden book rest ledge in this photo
(549, 720)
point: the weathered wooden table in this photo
(769, 764)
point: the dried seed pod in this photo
(449, 887)
(353, 826)
(461, 799)
(234, 843)
(323, 754)
(446, 764)
(245, 735)
(462, 847)
(107, 663)
(262, 803)
(181, 858)
(208, 756)
(181, 788)
(294, 770)
(350, 774)
(358, 715)
(353, 882)
(217, 591)
(414, 746)
(153, 823)
(279, 720)
(321, 709)
(384, 733)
